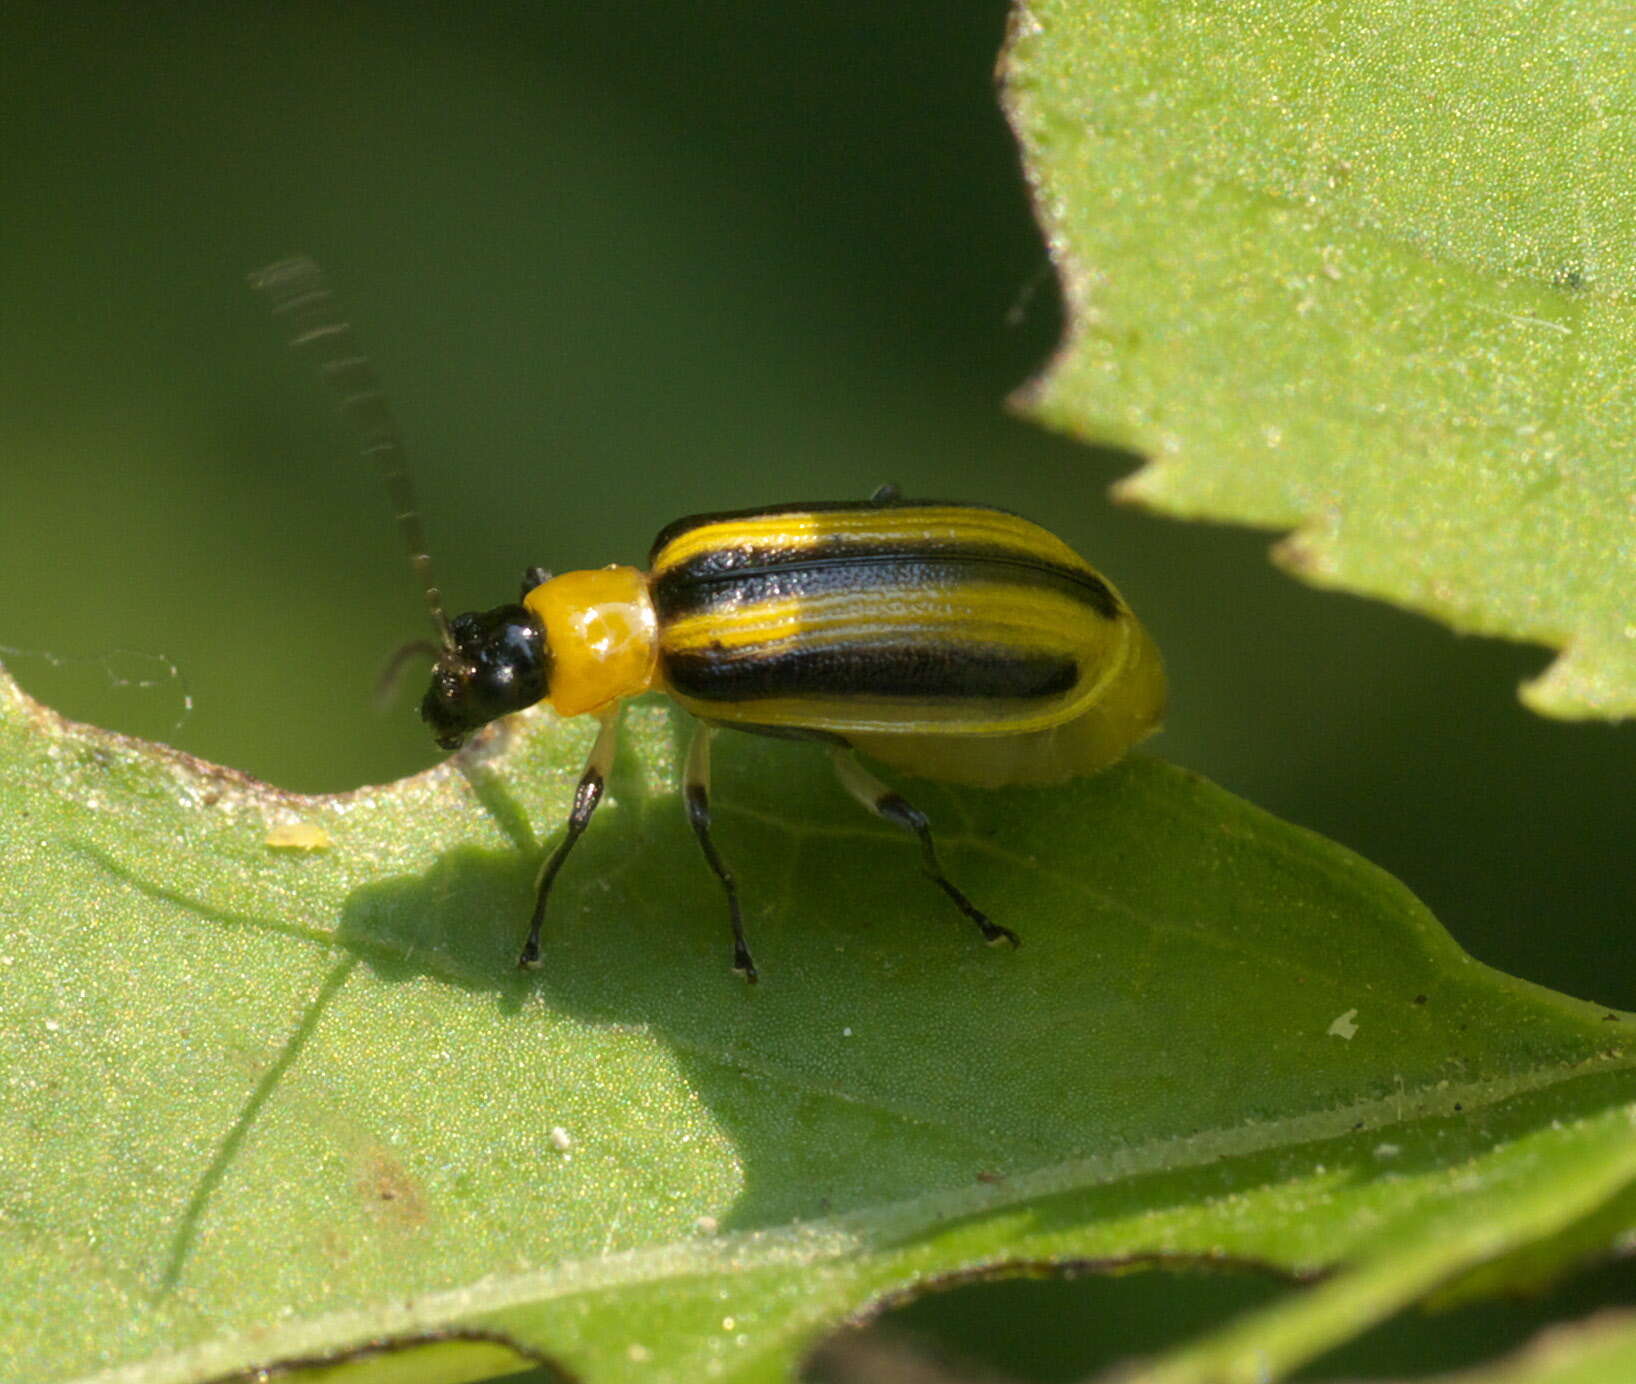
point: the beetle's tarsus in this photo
(994, 935)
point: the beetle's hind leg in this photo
(586, 798)
(894, 807)
(696, 791)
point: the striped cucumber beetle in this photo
(950, 641)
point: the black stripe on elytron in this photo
(677, 527)
(935, 674)
(727, 563)
(681, 592)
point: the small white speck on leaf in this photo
(1345, 1025)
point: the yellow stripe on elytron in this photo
(901, 718)
(1027, 619)
(939, 524)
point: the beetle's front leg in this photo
(586, 798)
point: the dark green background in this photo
(617, 263)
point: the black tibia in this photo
(586, 798)
(697, 796)
(895, 808)
(698, 813)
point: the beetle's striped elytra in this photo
(952, 641)
(908, 624)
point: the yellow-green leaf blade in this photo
(266, 1104)
(1360, 272)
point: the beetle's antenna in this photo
(391, 678)
(298, 292)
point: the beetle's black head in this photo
(499, 664)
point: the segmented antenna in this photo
(298, 293)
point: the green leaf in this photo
(1598, 1350)
(1363, 272)
(268, 1105)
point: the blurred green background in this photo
(617, 263)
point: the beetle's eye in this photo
(499, 664)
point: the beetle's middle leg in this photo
(696, 790)
(894, 807)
